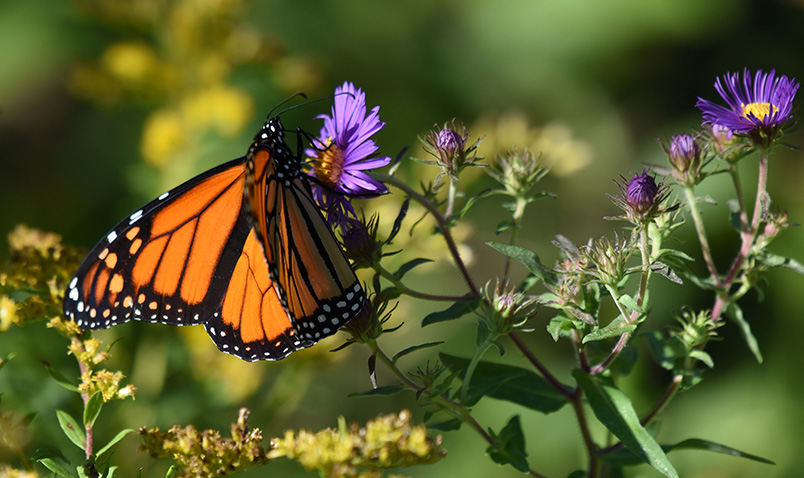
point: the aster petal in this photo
(360, 182)
(370, 163)
(357, 152)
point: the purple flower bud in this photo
(641, 192)
(448, 142)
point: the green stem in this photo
(641, 294)
(692, 204)
(440, 219)
(453, 190)
(723, 299)
(479, 352)
(414, 293)
(589, 443)
(539, 366)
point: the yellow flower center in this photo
(759, 110)
(328, 166)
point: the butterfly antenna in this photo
(305, 103)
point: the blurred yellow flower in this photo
(553, 143)
(221, 107)
(130, 62)
(163, 135)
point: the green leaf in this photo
(703, 357)
(666, 351)
(113, 441)
(49, 451)
(406, 267)
(61, 379)
(455, 311)
(504, 382)
(57, 468)
(528, 258)
(447, 425)
(72, 429)
(736, 313)
(93, 408)
(509, 446)
(666, 271)
(616, 328)
(503, 226)
(415, 348)
(614, 409)
(775, 260)
(706, 445)
(171, 473)
(110, 473)
(384, 390)
(624, 457)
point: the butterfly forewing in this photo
(169, 261)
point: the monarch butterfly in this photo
(241, 248)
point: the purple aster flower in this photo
(342, 152)
(756, 106)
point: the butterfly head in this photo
(272, 132)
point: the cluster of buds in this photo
(40, 266)
(388, 441)
(695, 330)
(610, 259)
(87, 351)
(505, 308)
(206, 453)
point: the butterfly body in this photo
(241, 248)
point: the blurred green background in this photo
(103, 105)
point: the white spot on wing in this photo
(111, 237)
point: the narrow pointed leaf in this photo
(414, 348)
(624, 457)
(72, 429)
(455, 311)
(93, 408)
(57, 468)
(616, 328)
(406, 267)
(113, 441)
(614, 409)
(736, 313)
(384, 390)
(61, 379)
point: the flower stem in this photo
(748, 236)
(692, 204)
(414, 293)
(539, 366)
(440, 219)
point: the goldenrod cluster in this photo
(9, 472)
(553, 144)
(32, 283)
(206, 453)
(179, 57)
(386, 442)
(89, 354)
